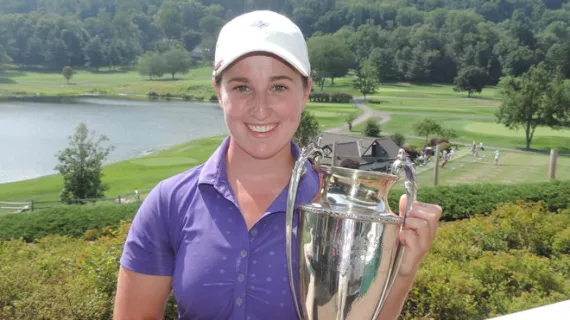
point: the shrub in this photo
(412, 153)
(398, 139)
(465, 200)
(372, 129)
(340, 98)
(330, 97)
(475, 272)
(72, 221)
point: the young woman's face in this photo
(262, 98)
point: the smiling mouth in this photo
(261, 128)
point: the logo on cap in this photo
(259, 24)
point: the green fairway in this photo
(488, 132)
(197, 82)
(513, 167)
(500, 130)
(435, 106)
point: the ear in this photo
(217, 88)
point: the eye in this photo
(279, 88)
(241, 89)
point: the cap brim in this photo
(268, 48)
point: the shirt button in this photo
(241, 277)
(243, 253)
(239, 301)
(253, 232)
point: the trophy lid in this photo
(351, 212)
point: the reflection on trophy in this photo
(348, 253)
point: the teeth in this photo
(261, 129)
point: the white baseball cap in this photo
(262, 31)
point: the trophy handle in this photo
(298, 171)
(403, 163)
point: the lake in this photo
(31, 133)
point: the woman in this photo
(215, 234)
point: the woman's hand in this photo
(418, 233)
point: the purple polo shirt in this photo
(190, 227)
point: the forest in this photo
(406, 40)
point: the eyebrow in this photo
(274, 78)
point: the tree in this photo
(330, 57)
(80, 164)
(151, 64)
(470, 79)
(308, 129)
(67, 73)
(372, 128)
(536, 98)
(176, 60)
(426, 127)
(94, 53)
(191, 39)
(366, 80)
(349, 119)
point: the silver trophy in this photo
(346, 243)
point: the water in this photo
(31, 133)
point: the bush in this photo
(341, 98)
(412, 153)
(330, 97)
(465, 200)
(398, 139)
(72, 221)
(475, 272)
(372, 129)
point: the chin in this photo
(264, 150)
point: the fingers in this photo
(417, 234)
(429, 212)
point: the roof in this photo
(356, 147)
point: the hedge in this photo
(330, 97)
(458, 202)
(465, 200)
(515, 259)
(74, 221)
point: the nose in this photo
(260, 107)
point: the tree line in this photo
(403, 40)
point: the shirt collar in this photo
(214, 173)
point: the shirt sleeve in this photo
(148, 249)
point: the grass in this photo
(481, 130)
(197, 83)
(513, 167)
(460, 106)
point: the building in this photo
(376, 154)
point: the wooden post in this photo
(119, 199)
(436, 169)
(334, 154)
(32, 205)
(552, 165)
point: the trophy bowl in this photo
(347, 249)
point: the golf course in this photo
(396, 106)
